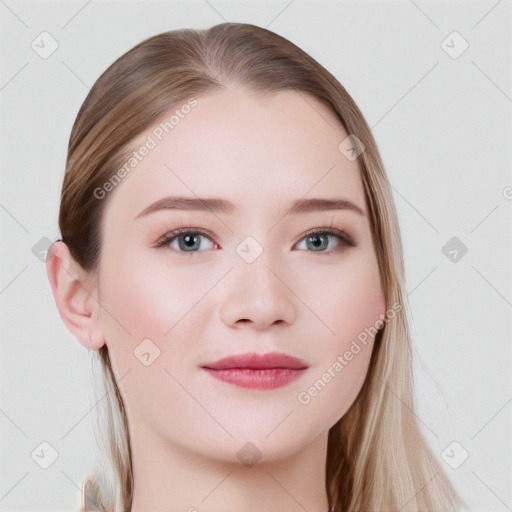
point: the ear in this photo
(75, 295)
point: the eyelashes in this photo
(175, 234)
(191, 237)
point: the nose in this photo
(257, 294)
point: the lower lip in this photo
(256, 379)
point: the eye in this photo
(188, 239)
(318, 239)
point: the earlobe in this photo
(74, 296)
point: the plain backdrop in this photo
(441, 116)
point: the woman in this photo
(230, 251)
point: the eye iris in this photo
(317, 238)
(188, 239)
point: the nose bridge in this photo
(256, 266)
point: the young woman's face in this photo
(252, 281)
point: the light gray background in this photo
(443, 126)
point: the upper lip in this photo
(255, 361)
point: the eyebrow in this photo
(299, 206)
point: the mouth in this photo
(257, 371)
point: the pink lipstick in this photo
(257, 371)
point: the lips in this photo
(255, 361)
(257, 371)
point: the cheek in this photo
(348, 298)
(350, 303)
(149, 299)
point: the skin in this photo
(260, 152)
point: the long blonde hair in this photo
(378, 459)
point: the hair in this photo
(377, 457)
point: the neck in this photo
(170, 477)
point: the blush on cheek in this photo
(133, 295)
(368, 297)
(349, 314)
(158, 303)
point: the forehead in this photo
(252, 149)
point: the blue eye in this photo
(189, 240)
(317, 236)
